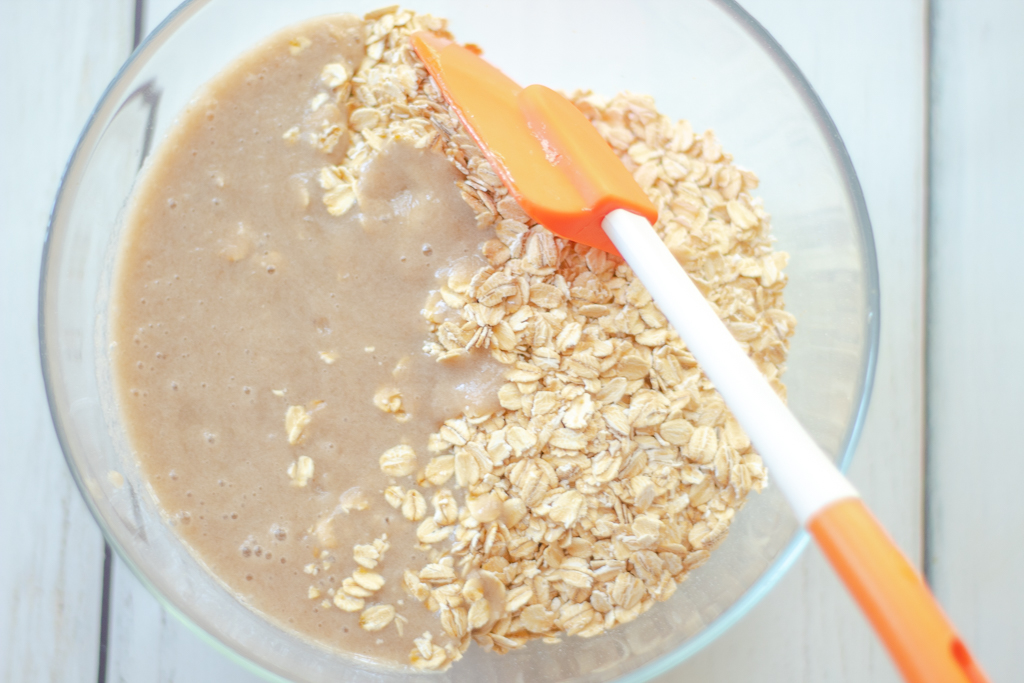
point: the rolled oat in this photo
(614, 466)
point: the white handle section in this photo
(802, 471)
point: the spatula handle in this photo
(798, 467)
(892, 594)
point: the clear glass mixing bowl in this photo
(703, 60)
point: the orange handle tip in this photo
(893, 596)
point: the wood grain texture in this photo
(56, 60)
(975, 369)
(148, 645)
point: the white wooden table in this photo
(927, 98)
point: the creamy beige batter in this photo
(238, 296)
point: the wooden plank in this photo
(806, 629)
(57, 59)
(148, 645)
(975, 369)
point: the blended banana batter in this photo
(240, 300)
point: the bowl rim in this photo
(768, 579)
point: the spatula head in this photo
(546, 152)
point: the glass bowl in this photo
(702, 60)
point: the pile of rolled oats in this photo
(614, 467)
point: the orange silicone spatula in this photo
(565, 177)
